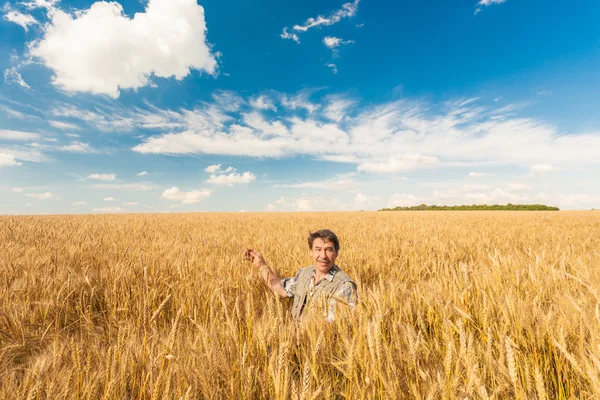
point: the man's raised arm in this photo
(270, 277)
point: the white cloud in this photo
(130, 203)
(80, 203)
(231, 179)
(477, 174)
(87, 53)
(63, 125)
(332, 43)
(457, 133)
(12, 76)
(579, 200)
(346, 11)
(541, 169)
(517, 186)
(20, 19)
(213, 168)
(143, 173)
(402, 162)
(404, 200)
(263, 103)
(195, 196)
(77, 147)
(103, 177)
(107, 120)
(18, 135)
(7, 160)
(41, 196)
(12, 112)
(140, 187)
(337, 108)
(307, 203)
(287, 35)
(109, 210)
(333, 68)
(362, 201)
(18, 190)
(483, 3)
(340, 182)
(110, 199)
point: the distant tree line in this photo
(478, 207)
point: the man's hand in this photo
(255, 258)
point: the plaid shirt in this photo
(346, 292)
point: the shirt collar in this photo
(330, 274)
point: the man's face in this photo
(323, 254)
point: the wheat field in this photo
(452, 305)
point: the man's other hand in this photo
(255, 258)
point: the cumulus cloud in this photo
(80, 203)
(130, 203)
(103, 177)
(194, 196)
(333, 67)
(143, 173)
(87, 53)
(8, 160)
(213, 168)
(110, 199)
(18, 190)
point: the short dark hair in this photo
(324, 234)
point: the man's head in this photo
(324, 248)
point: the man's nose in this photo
(323, 254)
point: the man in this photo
(322, 282)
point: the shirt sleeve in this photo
(346, 294)
(289, 284)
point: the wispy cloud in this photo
(389, 137)
(23, 20)
(346, 11)
(64, 125)
(484, 3)
(18, 135)
(13, 77)
(103, 177)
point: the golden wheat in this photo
(452, 305)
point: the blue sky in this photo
(179, 105)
